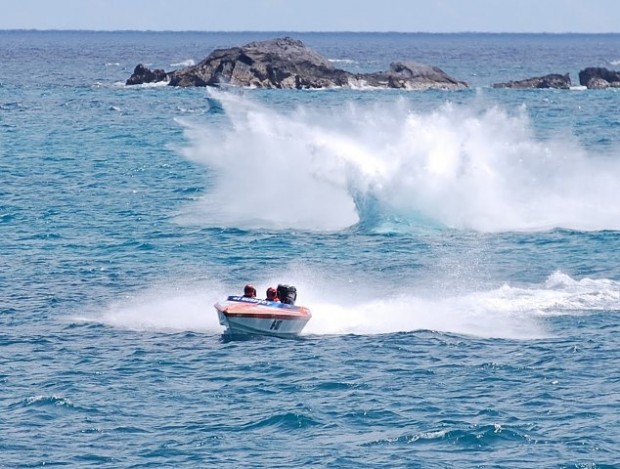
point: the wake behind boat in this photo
(248, 315)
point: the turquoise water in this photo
(459, 252)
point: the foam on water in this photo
(163, 308)
(475, 166)
(516, 312)
(184, 63)
(509, 311)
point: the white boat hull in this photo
(241, 315)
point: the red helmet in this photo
(271, 293)
(249, 290)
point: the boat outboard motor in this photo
(287, 294)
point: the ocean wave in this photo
(184, 63)
(157, 84)
(343, 61)
(44, 401)
(465, 436)
(286, 421)
(12, 106)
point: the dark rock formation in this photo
(142, 74)
(278, 63)
(288, 63)
(553, 80)
(408, 75)
(599, 78)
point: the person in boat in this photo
(249, 291)
(272, 295)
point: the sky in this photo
(438, 16)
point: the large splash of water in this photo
(474, 167)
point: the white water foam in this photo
(343, 61)
(477, 167)
(505, 312)
(516, 312)
(184, 63)
(164, 309)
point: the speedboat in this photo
(243, 315)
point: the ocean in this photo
(459, 251)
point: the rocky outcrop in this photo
(599, 78)
(142, 74)
(288, 63)
(278, 63)
(553, 80)
(408, 75)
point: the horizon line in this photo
(250, 31)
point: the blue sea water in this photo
(460, 253)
